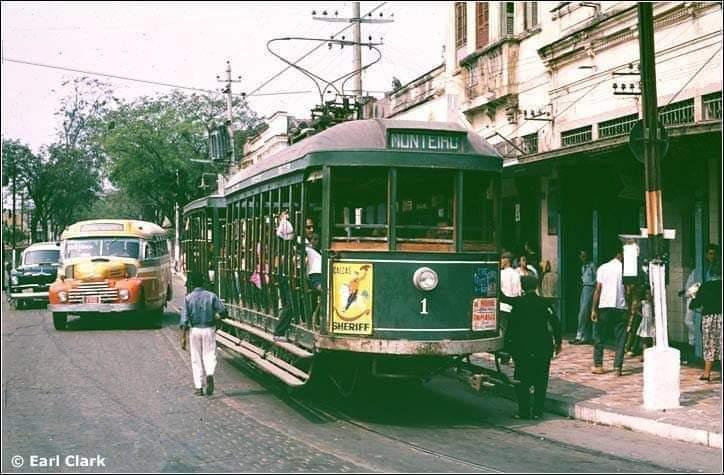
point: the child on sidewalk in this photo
(647, 328)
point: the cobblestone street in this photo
(123, 392)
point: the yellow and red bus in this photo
(111, 265)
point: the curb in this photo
(597, 414)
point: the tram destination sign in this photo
(426, 142)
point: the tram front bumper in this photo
(410, 347)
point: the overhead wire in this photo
(285, 69)
(145, 81)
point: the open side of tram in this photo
(404, 218)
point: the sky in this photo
(188, 43)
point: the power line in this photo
(145, 81)
(695, 74)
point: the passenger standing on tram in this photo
(285, 231)
(199, 314)
(532, 345)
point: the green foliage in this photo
(151, 142)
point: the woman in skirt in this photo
(708, 298)
(647, 327)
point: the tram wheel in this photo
(60, 320)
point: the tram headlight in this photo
(425, 279)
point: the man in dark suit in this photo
(534, 336)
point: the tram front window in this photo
(479, 205)
(359, 208)
(425, 209)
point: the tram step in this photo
(290, 347)
(263, 364)
(289, 368)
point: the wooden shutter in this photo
(481, 24)
(460, 24)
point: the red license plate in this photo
(92, 299)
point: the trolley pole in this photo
(661, 363)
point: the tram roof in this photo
(369, 134)
(216, 201)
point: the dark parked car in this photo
(37, 270)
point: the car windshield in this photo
(101, 247)
(49, 256)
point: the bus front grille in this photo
(95, 292)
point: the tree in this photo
(151, 142)
(61, 183)
(83, 111)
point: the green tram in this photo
(404, 218)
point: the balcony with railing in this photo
(491, 73)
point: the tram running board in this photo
(290, 347)
(287, 373)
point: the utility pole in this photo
(356, 21)
(661, 363)
(15, 173)
(176, 250)
(357, 57)
(229, 113)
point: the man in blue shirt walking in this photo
(199, 313)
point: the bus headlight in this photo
(123, 294)
(14, 280)
(425, 279)
(62, 296)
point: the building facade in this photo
(555, 87)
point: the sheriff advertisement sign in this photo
(352, 298)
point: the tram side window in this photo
(425, 209)
(359, 207)
(479, 198)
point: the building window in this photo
(473, 73)
(481, 24)
(576, 136)
(712, 106)
(460, 24)
(530, 15)
(507, 21)
(618, 126)
(681, 112)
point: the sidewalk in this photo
(606, 399)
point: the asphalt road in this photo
(119, 394)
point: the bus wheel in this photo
(60, 320)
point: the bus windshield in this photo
(102, 247)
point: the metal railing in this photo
(711, 104)
(576, 136)
(681, 112)
(617, 126)
(530, 143)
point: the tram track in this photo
(317, 407)
(448, 400)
